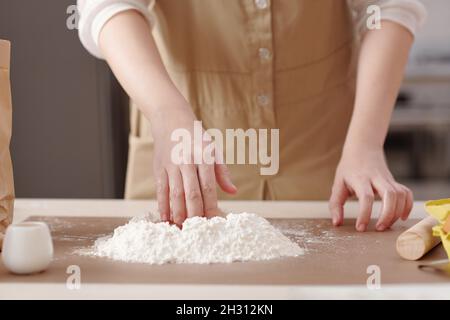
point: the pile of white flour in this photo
(238, 237)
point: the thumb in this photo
(224, 179)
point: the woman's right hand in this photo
(187, 189)
(183, 190)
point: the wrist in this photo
(364, 139)
(169, 117)
(362, 146)
(159, 111)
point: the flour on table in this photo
(238, 237)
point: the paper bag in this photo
(6, 174)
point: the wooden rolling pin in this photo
(446, 226)
(415, 242)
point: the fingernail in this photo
(334, 217)
(381, 227)
(335, 221)
(233, 186)
(361, 227)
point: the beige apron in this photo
(6, 175)
(259, 64)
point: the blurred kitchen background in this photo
(418, 144)
(71, 117)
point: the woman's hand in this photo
(184, 189)
(363, 172)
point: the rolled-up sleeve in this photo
(95, 13)
(411, 14)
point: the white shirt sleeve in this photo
(95, 13)
(411, 14)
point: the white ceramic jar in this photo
(27, 247)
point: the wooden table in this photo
(334, 267)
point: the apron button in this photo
(262, 99)
(264, 53)
(261, 4)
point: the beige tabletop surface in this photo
(343, 251)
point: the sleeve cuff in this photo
(95, 18)
(412, 17)
(407, 13)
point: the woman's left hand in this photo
(363, 172)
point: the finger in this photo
(401, 196)
(223, 178)
(339, 194)
(208, 187)
(177, 197)
(162, 195)
(408, 204)
(194, 201)
(388, 196)
(365, 195)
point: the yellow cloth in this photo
(259, 64)
(440, 209)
